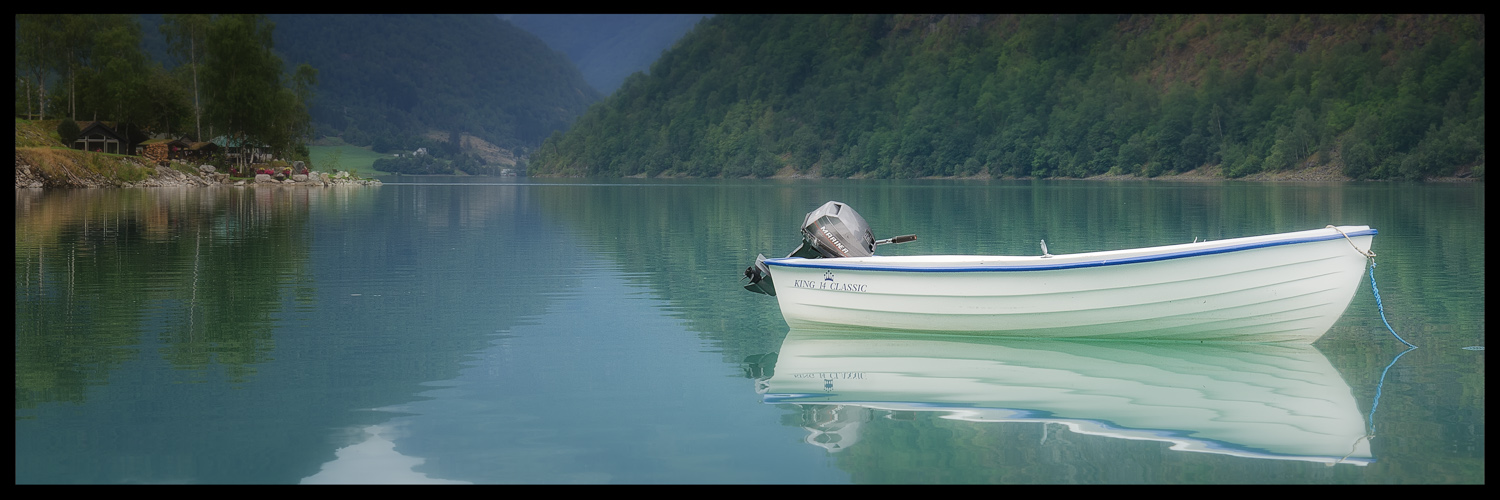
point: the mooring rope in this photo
(1370, 256)
(1379, 387)
(1381, 307)
(1365, 253)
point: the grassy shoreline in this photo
(43, 161)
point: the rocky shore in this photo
(29, 175)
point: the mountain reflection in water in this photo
(1284, 402)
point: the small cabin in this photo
(99, 137)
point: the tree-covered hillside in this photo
(1381, 96)
(607, 47)
(387, 79)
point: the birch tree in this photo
(76, 41)
(186, 34)
(36, 55)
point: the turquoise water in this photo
(594, 331)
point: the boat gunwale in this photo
(843, 264)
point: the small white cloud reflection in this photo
(374, 461)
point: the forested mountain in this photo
(1381, 96)
(607, 47)
(386, 79)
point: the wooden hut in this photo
(100, 137)
(163, 149)
(198, 151)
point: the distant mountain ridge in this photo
(408, 74)
(607, 48)
(391, 78)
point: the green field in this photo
(352, 158)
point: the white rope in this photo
(1365, 253)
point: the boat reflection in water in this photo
(1272, 401)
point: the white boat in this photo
(1264, 401)
(1288, 287)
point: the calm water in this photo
(468, 331)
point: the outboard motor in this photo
(833, 230)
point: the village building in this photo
(199, 151)
(163, 149)
(235, 148)
(99, 137)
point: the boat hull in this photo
(1288, 287)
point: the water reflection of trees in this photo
(368, 295)
(96, 270)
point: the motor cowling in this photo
(836, 230)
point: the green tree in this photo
(246, 97)
(67, 130)
(167, 104)
(121, 73)
(1280, 157)
(1133, 155)
(243, 76)
(292, 125)
(1359, 158)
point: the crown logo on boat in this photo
(827, 275)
